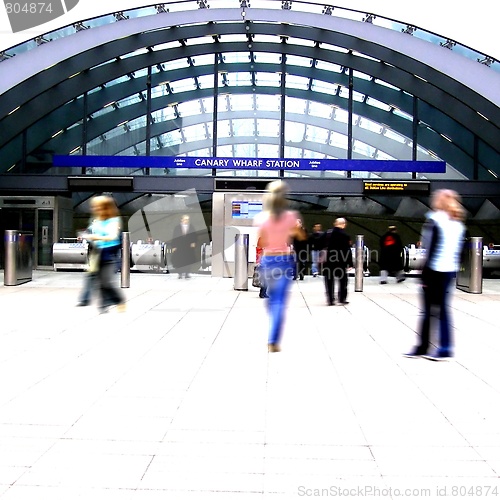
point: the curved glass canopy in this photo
(249, 89)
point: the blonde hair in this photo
(448, 201)
(108, 205)
(275, 200)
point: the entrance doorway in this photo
(40, 222)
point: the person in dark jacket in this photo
(391, 256)
(301, 252)
(315, 241)
(183, 247)
(338, 260)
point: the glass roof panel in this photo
(240, 102)
(267, 102)
(240, 79)
(194, 133)
(235, 57)
(267, 79)
(320, 110)
(203, 60)
(183, 85)
(259, 37)
(305, 62)
(327, 66)
(317, 134)
(297, 82)
(166, 46)
(267, 57)
(324, 87)
(377, 104)
(205, 81)
(297, 105)
(175, 64)
(202, 40)
(338, 140)
(190, 108)
(268, 127)
(294, 131)
(243, 127)
(370, 125)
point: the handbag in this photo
(256, 278)
(94, 259)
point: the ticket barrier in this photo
(491, 258)
(414, 259)
(206, 255)
(70, 253)
(366, 261)
(149, 256)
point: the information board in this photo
(406, 188)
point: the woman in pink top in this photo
(277, 228)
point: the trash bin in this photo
(18, 257)
(241, 261)
(470, 273)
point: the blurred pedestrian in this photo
(90, 275)
(338, 260)
(277, 228)
(391, 259)
(315, 246)
(183, 247)
(300, 251)
(443, 238)
(106, 237)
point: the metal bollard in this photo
(125, 269)
(476, 261)
(360, 258)
(241, 261)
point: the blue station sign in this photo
(226, 163)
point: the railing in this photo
(295, 5)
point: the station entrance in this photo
(48, 218)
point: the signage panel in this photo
(396, 187)
(269, 164)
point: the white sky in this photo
(472, 23)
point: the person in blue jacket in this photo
(106, 235)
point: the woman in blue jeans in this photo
(106, 233)
(277, 228)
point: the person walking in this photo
(315, 244)
(338, 261)
(442, 237)
(391, 256)
(276, 230)
(90, 275)
(301, 252)
(183, 247)
(106, 236)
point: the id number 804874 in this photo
(28, 8)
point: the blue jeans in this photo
(315, 261)
(278, 273)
